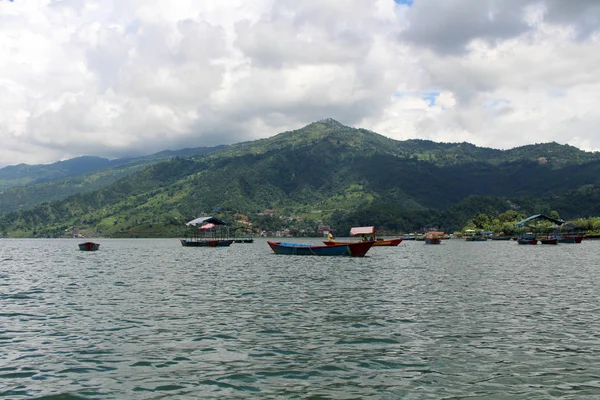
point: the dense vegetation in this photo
(329, 174)
(25, 186)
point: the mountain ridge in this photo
(327, 172)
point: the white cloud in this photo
(115, 78)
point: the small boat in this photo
(207, 232)
(205, 243)
(434, 237)
(500, 237)
(364, 232)
(358, 249)
(89, 246)
(570, 239)
(476, 239)
(474, 236)
(549, 240)
(377, 242)
(527, 239)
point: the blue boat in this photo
(358, 249)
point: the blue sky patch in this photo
(405, 2)
(430, 97)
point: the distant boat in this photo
(434, 237)
(549, 240)
(476, 239)
(527, 239)
(364, 232)
(500, 237)
(570, 239)
(89, 246)
(207, 232)
(477, 236)
(358, 249)
(248, 240)
(377, 242)
(206, 243)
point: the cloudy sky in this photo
(127, 77)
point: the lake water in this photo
(150, 319)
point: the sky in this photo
(116, 78)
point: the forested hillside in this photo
(327, 173)
(25, 186)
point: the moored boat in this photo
(89, 246)
(205, 243)
(434, 237)
(500, 237)
(570, 239)
(377, 242)
(207, 232)
(527, 239)
(367, 233)
(476, 239)
(549, 240)
(358, 249)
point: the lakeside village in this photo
(270, 223)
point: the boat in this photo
(246, 235)
(249, 240)
(205, 243)
(89, 246)
(434, 237)
(500, 237)
(474, 236)
(570, 238)
(357, 249)
(207, 232)
(527, 239)
(388, 242)
(549, 240)
(367, 233)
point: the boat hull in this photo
(526, 241)
(570, 239)
(358, 249)
(389, 242)
(433, 240)
(500, 237)
(549, 241)
(206, 243)
(89, 246)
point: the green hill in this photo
(25, 186)
(332, 174)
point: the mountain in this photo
(24, 174)
(24, 186)
(330, 173)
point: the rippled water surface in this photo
(150, 319)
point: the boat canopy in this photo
(362, 230)
(205, 220)
(540, 216)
